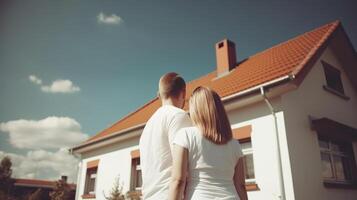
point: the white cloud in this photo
(61, 86)
(42, 164)
(57, 86)
(35, 80)
(112, 19)
(49, 133)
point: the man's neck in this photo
(170, 102)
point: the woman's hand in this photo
(178, 173)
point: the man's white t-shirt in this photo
(155, 150)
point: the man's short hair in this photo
(171, 85)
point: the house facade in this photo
(293, 108)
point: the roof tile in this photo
(283, 59)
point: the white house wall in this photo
(263, 140)
(312, 99)
(115, 160)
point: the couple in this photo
(192, 157)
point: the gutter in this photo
(257, 88)
(125, 134)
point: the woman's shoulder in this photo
(236, 148)
(191, 131)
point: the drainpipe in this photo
(278, 152)
(79, 170)
(79, 175)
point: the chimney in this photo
(64, 179)
(226, 56)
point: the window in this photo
(338, 165)
(136, 179)
(336, 161)
(243, 135)
(333, 78)
(248, 162)
(90, 181)
(91, 177)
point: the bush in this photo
(117, 191)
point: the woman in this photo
(207, 162)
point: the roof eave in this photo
(103, 141)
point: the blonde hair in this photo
(208, 114)
(171, 85)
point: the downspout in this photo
(79, 170)
(79, 175)
(278, 152)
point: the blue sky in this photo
(116, 58)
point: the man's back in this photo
(155, 150)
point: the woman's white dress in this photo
(211, 166)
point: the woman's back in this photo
(211, 166)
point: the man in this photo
(156, 140)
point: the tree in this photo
(6, 182)
(61, 191)
(117, 191)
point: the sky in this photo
(70, 68)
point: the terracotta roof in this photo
(287, 58)
(38, 183)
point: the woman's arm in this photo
(239, 179)
(178, 173)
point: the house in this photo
(293, 107)
(24, 187)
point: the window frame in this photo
(248, 151)
(89, 172)
(243, 135)
(340, 153)
(339, 133)
(331, 73)
(135, 168)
